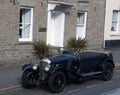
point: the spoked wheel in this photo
(57, 82)
(74, 68)
(28, 79)
(107, 72)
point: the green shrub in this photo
(40, 49)
(77, 43)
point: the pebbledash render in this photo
(24, 21)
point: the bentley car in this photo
(56, 70)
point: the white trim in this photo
(31, 26)
(55, 2)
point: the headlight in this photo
(35, 67)
(47, 67)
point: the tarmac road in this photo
(89, 87)
(10, 83)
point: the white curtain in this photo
(114, 20)
(26, 22)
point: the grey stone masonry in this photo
(13, 51)
(95, 24)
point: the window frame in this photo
(31, 26)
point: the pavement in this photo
(10, 78)
(116, 56)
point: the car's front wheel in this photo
(27, 79)
(57, 82)
(107, 72)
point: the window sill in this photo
(25, 42)
(115, 34)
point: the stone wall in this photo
(15, 52)
(95, 24)
(11, 50)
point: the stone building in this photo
(24, 21)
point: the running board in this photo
(91, 73)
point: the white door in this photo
(55, 32)
(81, 25)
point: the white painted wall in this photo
(110, 6)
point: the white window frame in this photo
(31, 26)
(115, 32)
(82, 25)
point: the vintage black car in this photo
(57, 70)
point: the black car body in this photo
(56, 70)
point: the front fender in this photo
(27, 67)
(52, 71)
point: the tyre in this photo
(57, 82)
(27, 79)
(107, 72)
(73, 68)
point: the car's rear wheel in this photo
(27, 79)
(57, 82)
(107, 72)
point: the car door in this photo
(89, 62)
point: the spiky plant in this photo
(77, 43)
(40, 49)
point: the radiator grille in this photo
(41, 70)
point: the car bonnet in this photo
(61, 58)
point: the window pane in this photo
(27, 16)
(21, 15)
(81, 25)
(81, 18)
(25, 31)
(114, 26)
(114, 20)
(20, 33)
(25, 23)
(115, 16)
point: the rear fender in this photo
(27, 67)
(106, 61)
